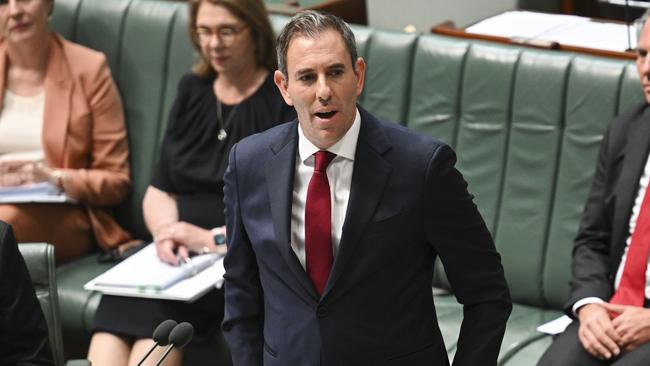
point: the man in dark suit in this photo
(23, 331)
(334, 223)
(610, 286)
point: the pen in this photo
(187, 261)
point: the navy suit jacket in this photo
(407, 205)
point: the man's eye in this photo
(306, 78)
(642, 53)
(336, 72)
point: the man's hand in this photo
(632, 323)
(597, 334)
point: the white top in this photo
(21, 126)
(643, 185)
(339, 175)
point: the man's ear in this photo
(360, 71)
(281, 83)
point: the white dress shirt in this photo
(339, 175)
(643, 185)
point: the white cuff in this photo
(582, 302)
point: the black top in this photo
(192, 159)
(23, 330)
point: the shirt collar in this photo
(346, 147)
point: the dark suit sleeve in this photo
(244, 312)
(457, 231)
(591, 251)
(23, 331)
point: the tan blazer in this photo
(84, 133)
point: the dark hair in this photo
(251, 12)
(310, 23)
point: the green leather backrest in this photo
(100, 26)
(485, 103)
(530, 166)
(434, 105)
(39, 259)
(64, 17)
(388, 57)
(180, 58)
(592, 98)
(526, 125)
(142, 78)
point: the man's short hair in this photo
(310, 23)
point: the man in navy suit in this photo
(335, 221)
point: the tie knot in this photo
(323, 159)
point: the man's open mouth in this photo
(326, 115)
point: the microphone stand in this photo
(162, 358)
(147, 355)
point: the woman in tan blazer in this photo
(78, 142)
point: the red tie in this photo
(318, 223)
(631, 289)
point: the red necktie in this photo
(631, 289)
(318, 223)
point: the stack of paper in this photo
(564, 29)
(144, 275)
(36, 192)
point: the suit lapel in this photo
(370, 175)
(279, 180)
(636, 154)
(56, 111)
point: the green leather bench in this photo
(526, 124)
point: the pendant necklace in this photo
(223, 124)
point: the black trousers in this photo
(567, 350)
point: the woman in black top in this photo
(229, 95)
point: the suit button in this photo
(321, 312)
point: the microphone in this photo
(160, 336)
(180, 336)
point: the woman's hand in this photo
(182, 237)
(21, 172)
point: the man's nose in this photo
(323, 92)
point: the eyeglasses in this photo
(226, 34)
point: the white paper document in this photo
(592, 34)
(42, 192)
(523, 24)
(568, 30)
(144, 275)
(555, 326)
